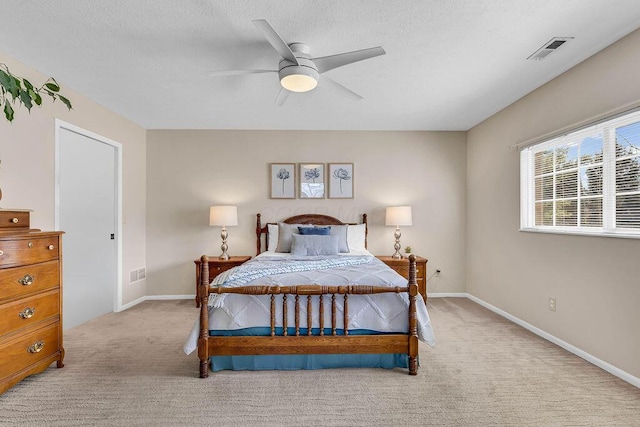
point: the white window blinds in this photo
(587, 181)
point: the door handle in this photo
(113, 236)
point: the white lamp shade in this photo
(398, 215)
(223, 216)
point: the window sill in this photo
(581, 233)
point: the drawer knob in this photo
(30, 244)
(1, 253)
(36, 347)
(27, 313)
(26, 280)
(51, 247)
(15, 220)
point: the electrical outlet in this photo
(438, 272)
(142, 273)
(552, 304)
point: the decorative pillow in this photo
(356, 236)
(308, 245)
(341, 232)
(272, 243)
(315, 230)
(285, 231)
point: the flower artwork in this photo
(341, 180)
(312, 181)
(282, 180)
(283, 174)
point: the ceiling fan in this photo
(297, 71)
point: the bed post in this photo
(258, 233)
(203, 296)
(366, 228)
(413, 318)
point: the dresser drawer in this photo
(14, 220)
(28, 311)
(14, 282)
(28, 250)
(29, 349)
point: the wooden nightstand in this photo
(217, 266)
(401, 266)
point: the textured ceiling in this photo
(449, 64)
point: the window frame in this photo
(606, 128)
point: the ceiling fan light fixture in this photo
(298, 78)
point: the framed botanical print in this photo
(283, 180)
(340, 180)
(312, 181)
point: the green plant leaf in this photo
(8, 111)
(53, 87)
(27, 84)
(7, 80)
(26, 99)
(35, 97)
(65, 101)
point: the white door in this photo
(87, 215)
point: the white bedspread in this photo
(381, 312)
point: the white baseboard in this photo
(155, 298)
(446, 295)
(557, 341)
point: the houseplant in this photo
(17, 90)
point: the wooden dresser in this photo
(401, 266)
(30, 299)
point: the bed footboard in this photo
(307, 343)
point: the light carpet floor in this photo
(128, 369)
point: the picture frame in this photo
(340, 177)
(312, 179)
(283, 180)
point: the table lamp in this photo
(225, 216)
(398, 215)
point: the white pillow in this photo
(356, 235)
(272, 243)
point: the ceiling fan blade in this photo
(281, 98)
(326, 63)
(238, 72)
(343, 90)
(276, 41)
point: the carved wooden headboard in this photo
(315, 219)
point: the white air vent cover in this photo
(549, 47)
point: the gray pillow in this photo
(285, 231)
(341, 232)
(313, 244)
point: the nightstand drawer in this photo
(217, 266)
(401, 266)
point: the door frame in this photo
(59, 124)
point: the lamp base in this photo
(224, 256)
(397, 254)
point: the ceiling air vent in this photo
(549, 47)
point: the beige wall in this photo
(595, 280)
(190, 170)
(27, 172)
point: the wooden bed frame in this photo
(306, 344)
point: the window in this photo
(586, 182)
